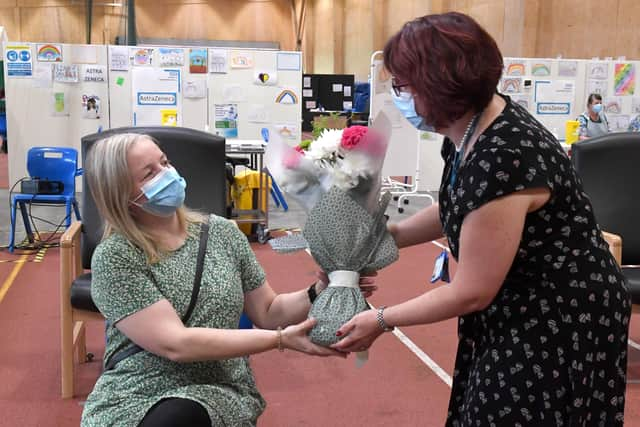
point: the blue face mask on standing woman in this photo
(164, 193)
(404, 102)
(597, 108)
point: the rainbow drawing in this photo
(515, 69)
(612, 106)
(624, 80)
(287, 96)
(49, 53)
(540, 69)
(511, 85)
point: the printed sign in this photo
(157, 98)
(19, 61)
(553, 108)
(94, 73)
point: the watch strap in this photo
(380, 319)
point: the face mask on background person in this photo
(404, 102)
(597, 108)
(164, 193)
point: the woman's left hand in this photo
(359, 332)
(367, 283)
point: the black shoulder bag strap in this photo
(202, 249)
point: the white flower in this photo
(326, 146)
(350, 169)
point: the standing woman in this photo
(593, 122)
(543, 308)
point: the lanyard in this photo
(471, 128)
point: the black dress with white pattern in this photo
(551, 348)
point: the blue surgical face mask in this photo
(405, 104)
(597, 108)
(164, 193)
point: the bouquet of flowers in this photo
(336, 178)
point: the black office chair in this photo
(608, 167)
(200, 159)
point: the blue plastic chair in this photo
(52, 164)
(3, 125)
(276, 193)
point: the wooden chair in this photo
(72, 319)
(615, 246)
(608, 168)
(200, 159)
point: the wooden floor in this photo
(396, 387)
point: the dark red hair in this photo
(450, 62)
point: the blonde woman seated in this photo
(191, 374)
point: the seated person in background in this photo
(634, 125)
(593, 122)
(143, 272)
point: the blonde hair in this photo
(111, 184)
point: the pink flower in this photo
(292, 158)
(352, 136)
(299, 149)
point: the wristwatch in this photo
(381, 322)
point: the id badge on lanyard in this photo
(441, 268)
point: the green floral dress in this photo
(123, 283)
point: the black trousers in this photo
(175, 412)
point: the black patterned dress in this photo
(551, 348)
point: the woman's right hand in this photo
(295, 337)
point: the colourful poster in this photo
(58, 104)
(198, 61)
(624, 80)
(511, 85)
(515, 68)
(287, 96)
(613, 105)
(141, 56)
(226, 120)
(49, 53)
(90, 106)
(541, 69)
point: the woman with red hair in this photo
(543, 307)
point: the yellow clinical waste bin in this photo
(571, 131)
(245, 190)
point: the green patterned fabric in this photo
(123, 284)
(342, 235)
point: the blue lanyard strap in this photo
(471, 128)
